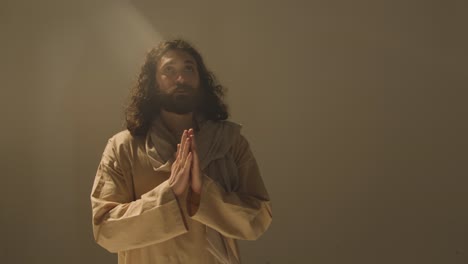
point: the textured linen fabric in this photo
(136, 214)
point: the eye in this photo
(169, 70)
(189, 68)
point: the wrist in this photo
(193, 202)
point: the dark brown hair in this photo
(142, 106)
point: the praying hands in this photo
(186, 167)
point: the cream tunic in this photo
(136, 214)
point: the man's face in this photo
(178, 82)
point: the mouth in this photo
(181, 91)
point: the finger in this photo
(191, 135)
(193, 144)
(188, 164)
(175, 165)
(184, 172)
(182, 143)
(171, 177)
(177, 151)
(186, 148)
(188, 161)
(183, 140)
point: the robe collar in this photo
(214, 139)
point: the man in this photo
(180, 184)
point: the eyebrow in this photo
(186, 62)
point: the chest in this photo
(143, 175)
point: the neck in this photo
(177, 123)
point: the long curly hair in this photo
(142, 107)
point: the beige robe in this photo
(136, 214)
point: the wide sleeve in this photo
(242, 214)
(121, 222)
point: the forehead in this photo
(176, 56)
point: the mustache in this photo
(183, 88)
(179, 88)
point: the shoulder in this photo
(231, 128)
(124, 137)
(236, 130)
(123, 143)
(226, 127)
(240, 137)
(231, 123)
(233, 131)
(240, 144)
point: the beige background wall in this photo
(356, 111)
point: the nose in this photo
(180, 78)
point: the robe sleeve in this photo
(121, 222)
(242, 214)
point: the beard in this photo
(183, 100)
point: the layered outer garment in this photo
(137, 215)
